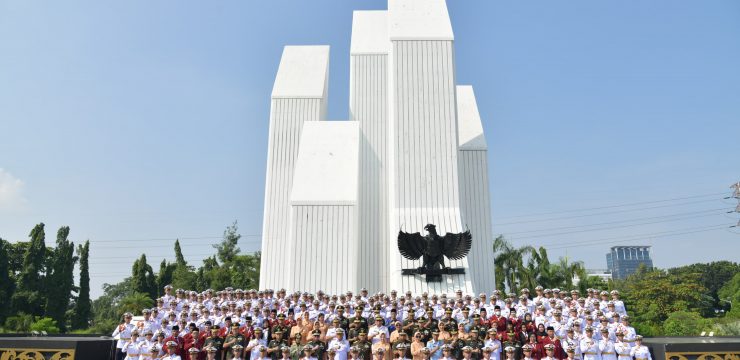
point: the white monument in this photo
(412, 153)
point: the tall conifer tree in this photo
(29, 297)
(81, 315)
(6, 283)
(61, 279)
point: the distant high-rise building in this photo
(624, 260)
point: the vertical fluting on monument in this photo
(299, 95)
(423, 148)
(369, 107)
(474, 195)
(323, 226)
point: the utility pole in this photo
(736, 195)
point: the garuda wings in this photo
(453, 246)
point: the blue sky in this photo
(139, 122)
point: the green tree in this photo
(227, 249)
(713, 277)
(183, 276)
(61, 278)
(729, 296)
(81, 314)
(179, 258)
(6, 281)
(684, 323)
(19, 323)
(143, 277)
(591, 282)
(134, 303)
(245, 270)
(164, 276)
(651, 295)
(105, 307)
(567, 270)
(508, 262)
(29, 298)
(46, 324)
(537, 270)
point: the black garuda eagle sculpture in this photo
(433, 248)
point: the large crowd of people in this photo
(235, 324)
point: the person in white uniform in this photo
(589, 346)
(622, 348)
(122, 334)
(171, 352)
(340, 345)
(606, 346)
(640, 352)
(131, 347)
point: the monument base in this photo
(433, 275)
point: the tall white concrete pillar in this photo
(423, 134)
(299, 95)
(474, 195)
(369, 107)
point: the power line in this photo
(611, 227)
(171, 245)
(560, 244)
(170, 238)
(631, 240)
(616, 222)
(605, 213)
(614, 206)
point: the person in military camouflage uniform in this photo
(354, 330)
(317, 346)
(478, 325)
(427, 325)
(233, 338)
(343, 320)
(275, 345)
(358, 316)
(214, 341)
(449, 322)
(282, 327)
(409, 324)
(457, 344)
(296, 347)
(476, 344)
(364, 346)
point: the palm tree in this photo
(538, 270)
(509, 264)
(135, 302)
(567, 270)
